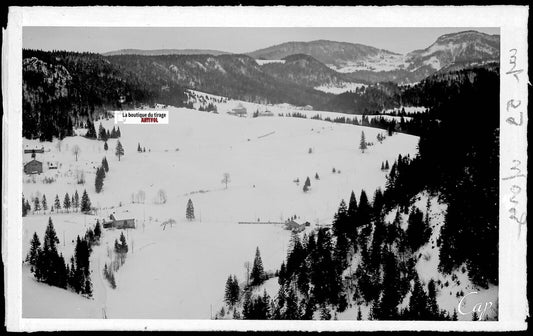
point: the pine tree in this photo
(76, 202)
(359, 314)
(454, 316)
(102, 134)
(36, 204)
(24, 208)
(352, 209)
(362, 143)
(28, 207)
(418, 231)
(66, 202)
(307, 184)
(85, 202)
(44, 203)
(229, 298)
(292, 310)
(97, 230)
(35, 250)
(317, 177)
(119, 151)
(139, 147)
(418, 302)
(364, 210)
(105, 165)
(432, 305)
(99, 179)
(106, 147)
(257, 274)
(91, 131)
(118, 132)
(387, 165)
(57, 203)
(189, 213)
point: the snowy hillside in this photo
(179, 271)
(340, 88)
(225, 105)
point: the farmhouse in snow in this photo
(266, 113)
(33, 167)
(294, 226)
(118, 222)
(239, 111)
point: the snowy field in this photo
(180, 272)
(339, 88)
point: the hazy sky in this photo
(237, 40)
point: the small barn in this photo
(33, 150)
(53, 164)
(33, 167)
(118, 222)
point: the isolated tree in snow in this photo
(118, 132)
(119, 151)
(44, 203)
(386, 165)
(307, 184)
(106, 147)
(57, 203)
(139, 149)
(362, 143)
(85, 202)
(76, 150)
(258, 272)
(226, 179)
(317, 177)
(189, 213)
(66, 202)
(99, 179)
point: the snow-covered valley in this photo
(179, 272)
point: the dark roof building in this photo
(33, 167)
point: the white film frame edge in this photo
(512, 21)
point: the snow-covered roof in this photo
(120, 216)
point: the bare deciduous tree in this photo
(76, 150)
(161, 197)
(226, 179)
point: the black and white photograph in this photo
(347, 173)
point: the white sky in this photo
(236, 40)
